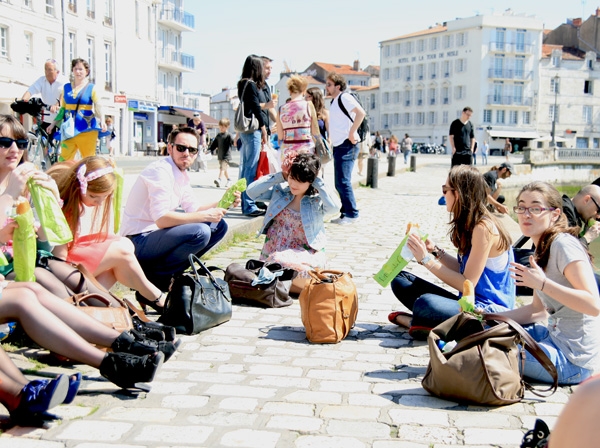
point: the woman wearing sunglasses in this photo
(565, 290)
(484, 254)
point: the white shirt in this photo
(50, 93)
(339, 124)
(160, 188)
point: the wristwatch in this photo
(426, 259)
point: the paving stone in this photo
(366, 430)
(484, 436)
(187, 434)
(241, 391)
(314, 397)
(15, 442)
(97, 430)
(295, 423)
(248, 438)
(305, 410)
(419, 417)
(428, 434)
(348, 412)
(238, 419)
(184, 401)
(328, 442)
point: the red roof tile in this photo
(342, 69)
(432, 30)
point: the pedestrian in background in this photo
(484, 152)
(393, 145)
(223, 143)
(462, 139)
(508, 148)
(406, 147)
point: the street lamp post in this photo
(553, 142)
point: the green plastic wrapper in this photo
(24, 248)
(51, 217)
(229, 197)
(3, 260)
(118, 199)
(398, 261)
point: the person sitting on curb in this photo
(163, 236)
(503, 171)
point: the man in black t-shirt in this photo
(462, 139)
(267, 104)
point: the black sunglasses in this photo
(6, 142)
(183, 148)
(596, 204)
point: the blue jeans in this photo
(568, 373)
(344, 156)
(249, 155)
(165, 252)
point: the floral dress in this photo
(286, 244)
(296, 123)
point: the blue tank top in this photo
(495, 290)
(322, 128)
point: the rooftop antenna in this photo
(583, 2)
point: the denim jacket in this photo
(275, 190)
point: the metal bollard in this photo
(372, 171)
(413, 163)
(391, 166)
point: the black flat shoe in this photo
(256, 213)
(144, 302)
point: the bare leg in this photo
(119, 264)
(44, 327)
(298, 285)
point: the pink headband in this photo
(83, 179)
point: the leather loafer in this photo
(256, 213)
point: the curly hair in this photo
(65, 175)
(552, 199)
(296, 84)
(470, 209)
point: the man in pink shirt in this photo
(164, 219)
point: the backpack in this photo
(363, 129)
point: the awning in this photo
(548, 138)
(513, 133)
(188, 113)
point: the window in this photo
(556, 57)
(446, 68)
(407, 118)
(397, 49)
(90, 7)
(3, 42)
(520, 41)
(518, 94)
(587, 87)
(420, 118)
(596, 143)
(582, 143)
(27, 50)
(498, 92)
(396, 97)
(27, 3)
(50, 48)
(555, 85)
(397, 72)
(407, 97)
(408, 72)
(587, 114)
(433, 43)
(519, 68)
(527, 117)
(500, 117)
(420, 71)
(91, 56)
(513, 117)
(446, 95)
(108, 12)
(419, 97)
(461, 39)
(445, 117)
(137, 18)
(409, 47)
(149, 24)
(386, 98)
(431, 118)
(386, 74)
(433, 70)
(372, 102)
(72, 47)
(396, 119)
(432, 96)
(499, 66)
(500, 37)
(459, 92)
(108, 65)
(50, 7)
(461, 65)
(72, 6)
(553, 113)
(386, 51)
(448, 41)
(487, 116)
(421, 45)
(385, 121)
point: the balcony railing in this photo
(179, 16)
(509, 100)
(510, 47)
(509, 74)
(177, 59)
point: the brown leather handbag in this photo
(115, 317)
(485, 365)
(329, 306)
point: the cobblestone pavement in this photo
(256, 382)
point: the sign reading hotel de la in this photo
(428, 57)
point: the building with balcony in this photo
(487, 62)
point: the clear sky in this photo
(335, 31)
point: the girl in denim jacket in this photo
(298, 203)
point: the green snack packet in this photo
(51, 217)
(24, 247)
(3, 260)
(398, 261)
(118, 199)
(229, 197)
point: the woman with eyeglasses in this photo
(484, 254)
(565, 290)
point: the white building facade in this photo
(489, 63)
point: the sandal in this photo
(74, 383)
(144, 302)
(392, 317)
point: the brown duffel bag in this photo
(329, 306)
(485, 365)
(115, 317)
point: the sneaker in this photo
(346, 221)
(336, 220)
(228, 184)
(218, 183)
(38, 396)
(126, 370)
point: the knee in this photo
(124, 248)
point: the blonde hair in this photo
(297, 84)
(224, 122)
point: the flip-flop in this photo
(392, 316)
(74, 383)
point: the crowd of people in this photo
(163, 222)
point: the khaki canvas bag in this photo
(329, 306)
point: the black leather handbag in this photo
(275, 294)
(196, 300)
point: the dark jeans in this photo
(249, 156)
(462, 159)
(344, 156)
(165, 252)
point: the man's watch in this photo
(426, 259)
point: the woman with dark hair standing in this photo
(80, 100)
(250, 83)
(484, 254)
(315, 95)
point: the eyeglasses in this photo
(446, 189)
(6, 142)
(532, 210)
(596, 204)
(183, 148)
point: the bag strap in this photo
(532, 347)
(193, 259)
(343, 108)
(242, 98)
(90, 278)
(83, 298)
(321, 274)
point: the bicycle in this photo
(43, 149)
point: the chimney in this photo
(577, 22)
(597, 12)
(356, 66)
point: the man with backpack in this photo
(346, 129)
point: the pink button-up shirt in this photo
(160, 188)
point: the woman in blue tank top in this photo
(484, 256)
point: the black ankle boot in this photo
(126, 342)
(125, 370)
(166, 347)
(154, 330)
